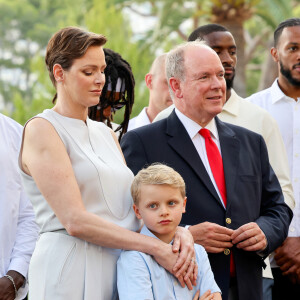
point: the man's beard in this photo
(288, 75)
(229, 83)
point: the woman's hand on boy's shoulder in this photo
(186, 265)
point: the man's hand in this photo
(287, 257)
(213, 237)
(186, 265)
(7, 291)
(249, 237)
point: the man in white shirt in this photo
(159, 96)
(235, 203)
(282, 101)
(18, 230)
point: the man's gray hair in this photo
(175, 62)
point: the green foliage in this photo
(25, 28)
(27, 25)
(24, 111)
(277, 11)
(121, 41)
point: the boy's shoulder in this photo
(201, 254)
(199, 249)
(131, 256)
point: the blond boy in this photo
(159, 199)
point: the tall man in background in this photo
(159, 96)
(282, 101)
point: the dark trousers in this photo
(233, 291)
(283, 288)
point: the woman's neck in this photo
(70, 110)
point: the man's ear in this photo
(137, 212)
(274, 53)
(148, 80)
(175, 86)
(58, 72)
(184, 205)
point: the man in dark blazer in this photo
(255, 219)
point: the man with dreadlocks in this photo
(117, 92)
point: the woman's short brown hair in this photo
(68, 44)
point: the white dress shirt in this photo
(18, 230)
(239, 112)
(286, 112)
(198, 140)
(139, 121)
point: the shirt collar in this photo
(144, 114)
(232, 104)
(276, 93)
(193, 128)
(146, 231)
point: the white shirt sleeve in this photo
(18, 230)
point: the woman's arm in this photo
(185, 268)
(45, 158)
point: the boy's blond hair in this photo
(156, 174)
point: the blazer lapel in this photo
(180, 141)
(230, 148)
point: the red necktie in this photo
(215, 162)
(216, 166)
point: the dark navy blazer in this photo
(253, 191)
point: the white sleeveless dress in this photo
(64, 267)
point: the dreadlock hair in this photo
(201, 31)
(287, 23)
(117, 68)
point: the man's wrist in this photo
(263, 252)
(18, 278)
(13, 283)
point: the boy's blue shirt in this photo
(140, 277)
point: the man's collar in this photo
(193, 128)
(276, 93)
(232, 104)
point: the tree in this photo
(177, 18)
(26, 27)
(122, 41)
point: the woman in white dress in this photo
(77, 179)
